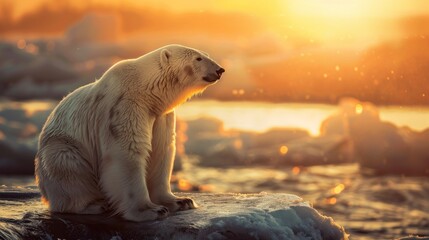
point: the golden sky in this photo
(316, 50)
(351, 22)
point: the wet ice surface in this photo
(377, 207)
(369, 207)
(220, 216)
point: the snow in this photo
(219, 216)
(270, 216)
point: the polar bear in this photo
(110, 145)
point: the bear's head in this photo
(192, 68)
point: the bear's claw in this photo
(185, 204)
(163, 210)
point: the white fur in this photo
(110, 145)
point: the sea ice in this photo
(220, 216)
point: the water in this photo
(261, 116)
(369, 207)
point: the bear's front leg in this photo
(161, 165)
(123, 172)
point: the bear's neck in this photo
(179, 98)
(158, 90)
(162, 93)
(168, 100)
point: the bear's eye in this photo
(199, 59)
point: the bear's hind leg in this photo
(94, 208)
(67, 179)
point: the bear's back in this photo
(71, 113)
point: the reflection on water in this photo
(416, 118)
(30, 107)
(376, 207)
(260, 116)
(368, 207)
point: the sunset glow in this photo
(34, 107)
(354, 22)
(283, 150)
(359, 108)
(331, 201)
(338, 189)
(300, 51)
(330, 9)
(261, 117)
(296, 170)
(184, 185)
(306, 111)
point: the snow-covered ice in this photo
(220, 216)
(269, 216)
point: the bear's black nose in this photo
(220, 71)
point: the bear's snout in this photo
(220, 71)
(212, 77)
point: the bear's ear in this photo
(165, 56)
